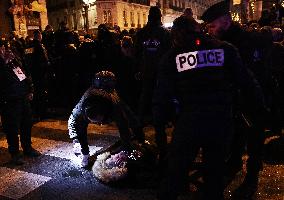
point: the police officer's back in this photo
(202, 73)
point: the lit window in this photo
(109, 17)
(144, 19)
(125, 18)
(138, 19)
(132, 18)
(105, 17)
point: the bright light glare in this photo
(168, 24)
(89, 1)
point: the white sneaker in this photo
(85, 160)
(77, 149)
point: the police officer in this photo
(152, 41)
(202, 74)
(100, 104)
(255, 52)
(16, 93)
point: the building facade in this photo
(174, 8)
(73, 13)
(22, 16)
(250, 10)
(134, 13)
(126, 14)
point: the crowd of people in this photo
(219, 83)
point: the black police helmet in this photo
(104, 80)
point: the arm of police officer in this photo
(245, 80)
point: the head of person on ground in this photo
(154, 17)
(218, 18)
(184, 32)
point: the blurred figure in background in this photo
(16, 94)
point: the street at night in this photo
(55, 175)
(142, 99)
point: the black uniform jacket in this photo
(204, 77)
(13, 86)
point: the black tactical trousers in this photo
(17, 119)
(191, 133)
(145, 100)
(250, 139)
(255, 147)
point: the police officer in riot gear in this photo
(99, 104)
(16, 93)
(254, 48)
(202, 73)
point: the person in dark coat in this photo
(100, 104)
(38, 62)
(151, 42)
(203, 74)
(16, 93)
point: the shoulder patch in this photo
(199, 59)
(151, 44)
